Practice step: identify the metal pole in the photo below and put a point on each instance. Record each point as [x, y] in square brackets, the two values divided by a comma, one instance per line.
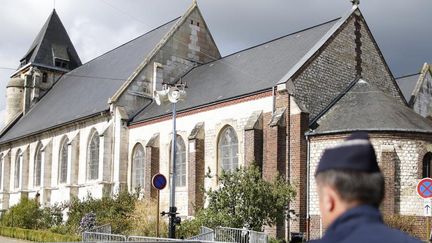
[172, 208]
[157, 215]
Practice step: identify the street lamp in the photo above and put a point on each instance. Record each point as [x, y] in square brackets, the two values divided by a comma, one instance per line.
[171, 94]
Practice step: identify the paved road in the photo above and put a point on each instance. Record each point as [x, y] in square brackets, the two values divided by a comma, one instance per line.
[10, 240]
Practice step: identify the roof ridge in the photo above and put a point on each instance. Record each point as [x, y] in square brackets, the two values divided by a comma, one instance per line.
[324, 39]
[115, 48]
[335, 100]
[34, 47]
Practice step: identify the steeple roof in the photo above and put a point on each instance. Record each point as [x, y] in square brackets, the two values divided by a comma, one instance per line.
[51, 43]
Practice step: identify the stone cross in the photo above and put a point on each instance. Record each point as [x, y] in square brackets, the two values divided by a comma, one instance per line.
[354, 2]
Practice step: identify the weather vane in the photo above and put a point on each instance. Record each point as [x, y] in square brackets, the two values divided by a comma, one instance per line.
[355, 2]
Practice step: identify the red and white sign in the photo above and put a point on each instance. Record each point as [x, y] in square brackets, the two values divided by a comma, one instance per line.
[424, 188]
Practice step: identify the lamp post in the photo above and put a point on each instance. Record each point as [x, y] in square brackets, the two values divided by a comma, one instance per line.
[171, 94]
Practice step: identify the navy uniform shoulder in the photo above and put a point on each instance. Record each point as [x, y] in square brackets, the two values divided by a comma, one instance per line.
[379, 233]
[372, 233]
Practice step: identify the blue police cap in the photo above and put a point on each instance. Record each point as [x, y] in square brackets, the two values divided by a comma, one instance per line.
[354, 154]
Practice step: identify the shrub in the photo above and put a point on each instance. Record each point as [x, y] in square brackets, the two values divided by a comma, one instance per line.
[243, 200]
[108, 210]
[143, 219]
[25, 214]
[88, 222]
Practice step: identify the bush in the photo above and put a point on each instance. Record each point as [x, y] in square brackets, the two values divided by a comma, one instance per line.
[243, 200]
[25, 214]
[143, 219]
[36, 235]
[108, 210]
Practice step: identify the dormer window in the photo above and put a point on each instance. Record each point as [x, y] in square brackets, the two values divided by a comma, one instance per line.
[61, 56]
[61, 63]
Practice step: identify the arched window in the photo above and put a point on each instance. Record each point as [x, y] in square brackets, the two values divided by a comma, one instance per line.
[427, 168]
[228, 149]
[138, 168]
[63, 161]
[93, 157]
[38, 166]
[17, 169]
[180, 162]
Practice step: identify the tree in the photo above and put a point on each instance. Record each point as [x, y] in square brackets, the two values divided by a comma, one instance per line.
[244, 200]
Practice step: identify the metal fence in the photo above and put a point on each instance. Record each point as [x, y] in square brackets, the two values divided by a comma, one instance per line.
[149, 239]
[106, 229]
[225, 234]
[104, 237]
[220, 234]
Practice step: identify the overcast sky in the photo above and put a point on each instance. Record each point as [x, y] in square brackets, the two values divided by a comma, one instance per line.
[402, 28]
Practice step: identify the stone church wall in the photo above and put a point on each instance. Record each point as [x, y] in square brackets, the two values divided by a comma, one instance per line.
[424, 97]
[215, 119]
[51, 190]
[189, 46]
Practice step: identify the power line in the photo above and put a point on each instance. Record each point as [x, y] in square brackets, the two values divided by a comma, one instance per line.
[75, 75]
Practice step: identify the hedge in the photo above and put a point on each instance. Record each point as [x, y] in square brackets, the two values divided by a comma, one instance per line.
[36, 235]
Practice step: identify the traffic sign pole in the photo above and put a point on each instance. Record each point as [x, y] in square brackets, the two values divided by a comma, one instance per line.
[159, 182]
[157, 215]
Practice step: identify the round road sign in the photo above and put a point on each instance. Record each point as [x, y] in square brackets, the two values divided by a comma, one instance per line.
[424, 188]
[159, 181]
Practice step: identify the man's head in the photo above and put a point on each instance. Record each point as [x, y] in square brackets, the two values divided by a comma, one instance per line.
[347, 176]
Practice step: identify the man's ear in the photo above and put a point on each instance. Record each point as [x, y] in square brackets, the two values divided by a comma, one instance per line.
[330, 198]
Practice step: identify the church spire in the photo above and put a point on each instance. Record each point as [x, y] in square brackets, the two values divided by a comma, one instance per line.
[52, 47]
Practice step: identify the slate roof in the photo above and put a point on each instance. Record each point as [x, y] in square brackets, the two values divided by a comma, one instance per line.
[52, 40]
[85, 91]
[252, 70]
[407, 85]
[364, 107]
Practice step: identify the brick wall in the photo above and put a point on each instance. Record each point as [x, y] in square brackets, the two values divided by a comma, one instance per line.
[298, 158]
[333, 68]
[388, 168]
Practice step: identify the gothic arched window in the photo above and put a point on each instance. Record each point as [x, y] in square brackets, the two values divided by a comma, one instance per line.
[37, 166]
[138, 166]
[63, 161]
[427, 166]
[228, 149]
[17, 169]
[180, 162]
[93, 157]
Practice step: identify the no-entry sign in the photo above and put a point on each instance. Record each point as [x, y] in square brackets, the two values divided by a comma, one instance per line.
[424, 188]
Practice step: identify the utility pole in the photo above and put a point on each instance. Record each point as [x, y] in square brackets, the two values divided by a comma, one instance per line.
[172, 95]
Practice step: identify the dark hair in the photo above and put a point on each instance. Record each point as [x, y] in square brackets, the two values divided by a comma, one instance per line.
[354, 186]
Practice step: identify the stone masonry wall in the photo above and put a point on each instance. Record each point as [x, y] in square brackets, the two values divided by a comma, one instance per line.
[424, 97]
[189, 46]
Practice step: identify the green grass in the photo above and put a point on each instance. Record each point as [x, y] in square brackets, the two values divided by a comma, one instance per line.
[36, 235]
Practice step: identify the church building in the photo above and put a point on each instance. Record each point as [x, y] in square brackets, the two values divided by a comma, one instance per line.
[74, 129]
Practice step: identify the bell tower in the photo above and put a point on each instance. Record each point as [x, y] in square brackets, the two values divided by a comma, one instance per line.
[50, 56]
